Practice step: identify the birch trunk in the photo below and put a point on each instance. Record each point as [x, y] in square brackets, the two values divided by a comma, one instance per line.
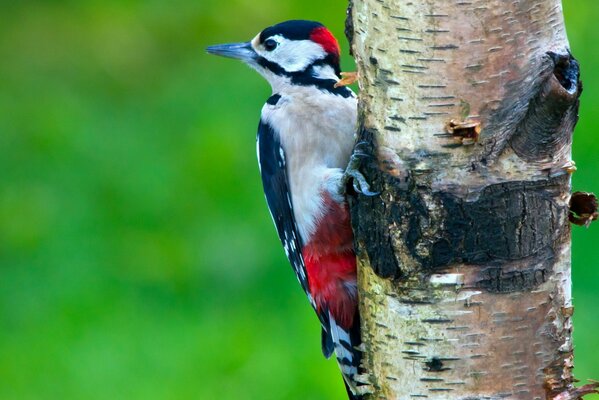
[464, 258]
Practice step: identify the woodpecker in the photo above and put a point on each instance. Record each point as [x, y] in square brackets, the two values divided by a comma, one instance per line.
[305, 141]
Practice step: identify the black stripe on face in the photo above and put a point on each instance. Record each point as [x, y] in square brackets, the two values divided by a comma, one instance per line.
[272, 66]
[305, 77]
[327, 85]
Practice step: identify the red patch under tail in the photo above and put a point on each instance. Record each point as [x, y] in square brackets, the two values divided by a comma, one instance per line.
[331, 264]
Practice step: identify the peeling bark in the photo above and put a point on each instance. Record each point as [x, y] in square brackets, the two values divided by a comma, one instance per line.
[464, 258]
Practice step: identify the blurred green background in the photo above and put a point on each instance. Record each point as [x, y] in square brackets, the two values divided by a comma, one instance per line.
[137, 257]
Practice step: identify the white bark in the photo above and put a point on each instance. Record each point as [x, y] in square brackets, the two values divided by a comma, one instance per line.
[465, 256]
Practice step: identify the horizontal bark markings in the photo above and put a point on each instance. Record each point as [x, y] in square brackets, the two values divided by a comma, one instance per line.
[498, 281]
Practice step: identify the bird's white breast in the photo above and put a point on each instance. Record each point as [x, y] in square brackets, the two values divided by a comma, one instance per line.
[317, 132]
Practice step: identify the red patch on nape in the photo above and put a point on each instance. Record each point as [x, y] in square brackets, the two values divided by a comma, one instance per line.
[325, 38]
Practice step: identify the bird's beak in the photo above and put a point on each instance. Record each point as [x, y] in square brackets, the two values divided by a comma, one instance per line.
[239, 51]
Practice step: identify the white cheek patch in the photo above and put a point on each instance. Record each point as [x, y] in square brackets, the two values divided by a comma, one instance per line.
[297, 55]
[292, 55]
[324, 72]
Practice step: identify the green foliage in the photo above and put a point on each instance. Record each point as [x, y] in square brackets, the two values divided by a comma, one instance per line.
[137, 257]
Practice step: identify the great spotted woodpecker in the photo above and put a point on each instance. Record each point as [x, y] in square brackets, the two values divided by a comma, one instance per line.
[305, 140]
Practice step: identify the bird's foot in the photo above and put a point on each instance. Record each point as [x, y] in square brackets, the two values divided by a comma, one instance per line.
[359, 182]
[347, 79]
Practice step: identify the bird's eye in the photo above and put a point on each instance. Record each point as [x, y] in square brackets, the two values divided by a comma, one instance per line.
[270, 44]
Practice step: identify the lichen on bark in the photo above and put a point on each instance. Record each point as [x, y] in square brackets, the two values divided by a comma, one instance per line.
[464, 258]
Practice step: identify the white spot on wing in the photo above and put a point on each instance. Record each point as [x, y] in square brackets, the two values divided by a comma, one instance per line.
[258, 152]
[282, 154]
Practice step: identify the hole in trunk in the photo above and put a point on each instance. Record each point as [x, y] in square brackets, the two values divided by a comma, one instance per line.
[567, 71]
[583, 208]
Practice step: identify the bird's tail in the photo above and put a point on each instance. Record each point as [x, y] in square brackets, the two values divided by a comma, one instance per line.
[351, 395]
[345, 343]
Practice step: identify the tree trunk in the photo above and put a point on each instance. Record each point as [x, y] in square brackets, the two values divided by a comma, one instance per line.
[464, 258]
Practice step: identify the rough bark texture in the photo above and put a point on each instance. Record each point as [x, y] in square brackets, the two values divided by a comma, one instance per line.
[464, 258]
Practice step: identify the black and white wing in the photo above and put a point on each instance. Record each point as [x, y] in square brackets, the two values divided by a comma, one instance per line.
[273, 168]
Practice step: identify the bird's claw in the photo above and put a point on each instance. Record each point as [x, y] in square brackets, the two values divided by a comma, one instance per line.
[359, 182]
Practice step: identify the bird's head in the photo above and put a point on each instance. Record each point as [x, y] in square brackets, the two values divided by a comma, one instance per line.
[290, 50]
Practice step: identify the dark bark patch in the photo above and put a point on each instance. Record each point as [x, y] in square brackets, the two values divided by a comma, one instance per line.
[435, 365]
[442, 253]
[511, 231]
[508, 222]
[368, 215]
[349, 27]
